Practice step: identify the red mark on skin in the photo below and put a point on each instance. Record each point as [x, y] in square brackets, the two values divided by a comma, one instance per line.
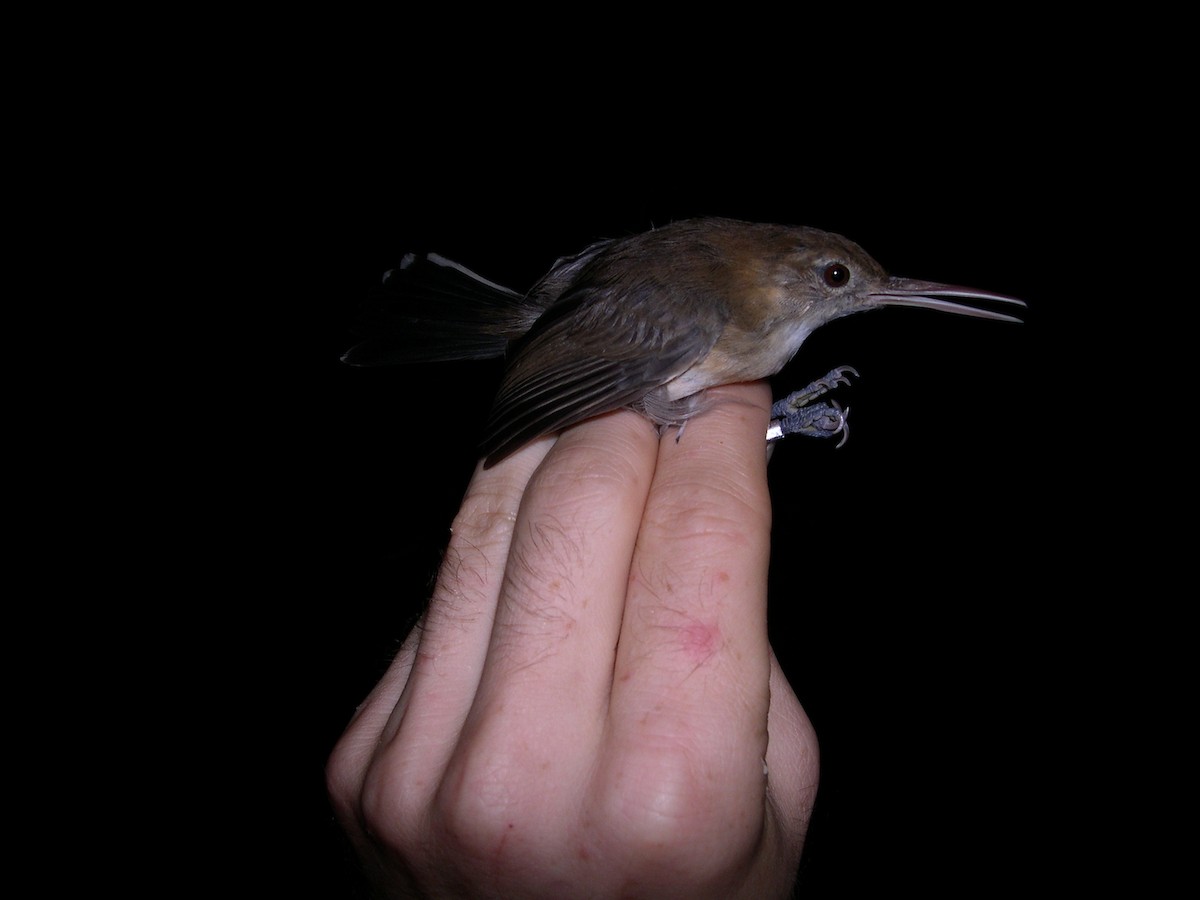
[699, 641]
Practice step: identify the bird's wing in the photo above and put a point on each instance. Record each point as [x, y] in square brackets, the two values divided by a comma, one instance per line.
[595, 351]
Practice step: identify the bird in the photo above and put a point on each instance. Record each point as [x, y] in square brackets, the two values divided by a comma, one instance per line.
[648, 321]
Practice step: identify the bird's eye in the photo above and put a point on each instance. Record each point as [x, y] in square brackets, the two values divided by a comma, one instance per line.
[836, 274]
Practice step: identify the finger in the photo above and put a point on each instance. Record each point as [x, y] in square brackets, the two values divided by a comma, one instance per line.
[412, 719]
[346, 768]
[688, 713]
[542, 700]
[564, 587]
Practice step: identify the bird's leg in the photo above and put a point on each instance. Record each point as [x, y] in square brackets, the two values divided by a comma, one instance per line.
[797, 414]
[818, 420]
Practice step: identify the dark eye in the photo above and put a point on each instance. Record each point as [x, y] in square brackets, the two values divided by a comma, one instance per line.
[836, 274]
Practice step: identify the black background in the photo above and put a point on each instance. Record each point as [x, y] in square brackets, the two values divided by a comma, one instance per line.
[920, 595]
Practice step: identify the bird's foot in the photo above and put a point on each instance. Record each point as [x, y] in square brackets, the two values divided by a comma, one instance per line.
[819, 420]
[797, 414]
[793, 402]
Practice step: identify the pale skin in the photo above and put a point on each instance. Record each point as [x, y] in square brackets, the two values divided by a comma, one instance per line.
[590, 706]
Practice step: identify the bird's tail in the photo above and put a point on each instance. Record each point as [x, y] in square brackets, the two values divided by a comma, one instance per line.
[430, 309]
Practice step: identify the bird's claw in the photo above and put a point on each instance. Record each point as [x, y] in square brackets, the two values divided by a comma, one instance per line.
[797, 414]
[796, 400]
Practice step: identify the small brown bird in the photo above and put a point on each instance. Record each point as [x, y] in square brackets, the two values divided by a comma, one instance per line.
[648, 321]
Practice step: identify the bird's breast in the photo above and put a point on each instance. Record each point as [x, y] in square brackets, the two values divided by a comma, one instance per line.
[739, 355]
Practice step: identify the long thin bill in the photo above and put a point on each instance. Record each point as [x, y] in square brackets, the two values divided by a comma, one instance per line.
[931, 295]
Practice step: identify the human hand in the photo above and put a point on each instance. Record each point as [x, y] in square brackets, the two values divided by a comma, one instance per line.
[590, 706]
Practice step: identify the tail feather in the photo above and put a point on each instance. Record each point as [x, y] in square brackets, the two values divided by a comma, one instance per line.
[431, 309]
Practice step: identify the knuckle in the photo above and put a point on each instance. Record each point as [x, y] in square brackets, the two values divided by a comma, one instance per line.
[683, 811]
[342, 782]
[395, 801]
[487, 809]
[486, 517]
[714, 509]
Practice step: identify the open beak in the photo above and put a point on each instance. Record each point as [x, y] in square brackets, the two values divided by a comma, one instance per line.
[931, 295]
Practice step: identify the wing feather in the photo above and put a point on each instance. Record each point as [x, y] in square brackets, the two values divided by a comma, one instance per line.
[595, 351]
